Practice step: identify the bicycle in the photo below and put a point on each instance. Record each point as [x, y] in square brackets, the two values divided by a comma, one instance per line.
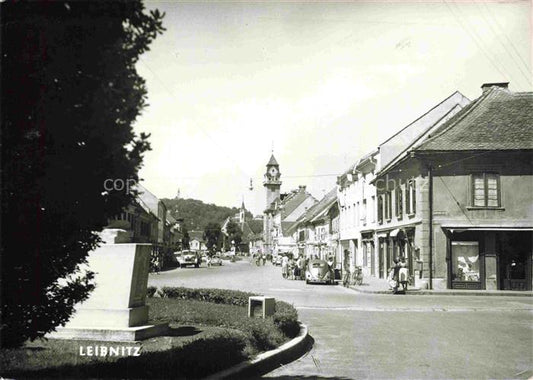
[357, 276]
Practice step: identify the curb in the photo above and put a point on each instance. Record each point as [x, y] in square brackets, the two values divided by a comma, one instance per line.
[267, 361]
[425, 292]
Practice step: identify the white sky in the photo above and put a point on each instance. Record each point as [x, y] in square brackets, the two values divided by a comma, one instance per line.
[323, 82]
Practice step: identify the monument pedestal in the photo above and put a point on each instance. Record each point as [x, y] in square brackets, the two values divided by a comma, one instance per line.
[115, 310]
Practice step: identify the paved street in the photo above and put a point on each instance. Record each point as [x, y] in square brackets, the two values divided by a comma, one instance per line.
[387, 336]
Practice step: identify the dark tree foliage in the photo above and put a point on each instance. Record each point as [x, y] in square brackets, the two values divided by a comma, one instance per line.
[186, 239]
[70, 93]
[213, 236]
[234, 234]
[197, 214]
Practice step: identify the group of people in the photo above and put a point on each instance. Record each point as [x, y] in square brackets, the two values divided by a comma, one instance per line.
[293, 269]
[398, 276]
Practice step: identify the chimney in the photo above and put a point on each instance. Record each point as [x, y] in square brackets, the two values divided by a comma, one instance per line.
[487, 86]
[302, 188]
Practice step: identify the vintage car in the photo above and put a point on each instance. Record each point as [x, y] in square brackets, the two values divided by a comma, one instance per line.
[188, 258]
[215, 260]
[318, 271]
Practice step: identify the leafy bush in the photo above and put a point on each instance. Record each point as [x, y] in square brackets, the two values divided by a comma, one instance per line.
[262, 333]
[286, 318]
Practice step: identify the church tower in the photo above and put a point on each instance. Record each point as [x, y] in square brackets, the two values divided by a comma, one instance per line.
[242, 214]
[272, 181]
[272, 186]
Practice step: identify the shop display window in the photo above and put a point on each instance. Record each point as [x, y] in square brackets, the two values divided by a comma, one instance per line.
[465, 261]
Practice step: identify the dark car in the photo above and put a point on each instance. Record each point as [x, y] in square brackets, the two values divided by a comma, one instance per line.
[318, 271]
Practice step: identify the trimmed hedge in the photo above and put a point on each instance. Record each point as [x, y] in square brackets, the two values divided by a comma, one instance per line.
[285, 317]
[224, 296]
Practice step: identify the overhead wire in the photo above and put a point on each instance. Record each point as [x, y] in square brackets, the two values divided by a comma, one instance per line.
[474, 37]
[509, 53]
[509, 41]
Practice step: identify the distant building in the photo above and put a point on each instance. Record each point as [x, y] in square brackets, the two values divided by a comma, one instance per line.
[316, 231]
[282, 210]
[197, 242]
[251, 229]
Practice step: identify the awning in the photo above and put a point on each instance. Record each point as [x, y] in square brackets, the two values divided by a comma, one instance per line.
[394, 233]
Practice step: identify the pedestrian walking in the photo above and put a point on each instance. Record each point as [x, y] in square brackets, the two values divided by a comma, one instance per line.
[403, 273]
[396, 274]
[285, 266]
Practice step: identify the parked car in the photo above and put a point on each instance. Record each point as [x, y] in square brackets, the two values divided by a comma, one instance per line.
[318, 271]
[216, 260]
[188, 258]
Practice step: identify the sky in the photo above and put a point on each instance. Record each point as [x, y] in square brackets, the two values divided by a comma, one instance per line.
[318, 83]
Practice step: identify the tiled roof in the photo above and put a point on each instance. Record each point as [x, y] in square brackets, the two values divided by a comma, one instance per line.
[198, 235]
[317, 209]
[272, 161]
[497, 120]
[256, 225]
[149, 199]
[286, 227]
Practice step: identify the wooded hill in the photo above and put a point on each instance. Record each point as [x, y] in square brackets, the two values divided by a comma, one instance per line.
[197, 214]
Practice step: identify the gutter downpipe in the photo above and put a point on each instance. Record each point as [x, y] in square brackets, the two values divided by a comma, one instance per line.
[430, 178]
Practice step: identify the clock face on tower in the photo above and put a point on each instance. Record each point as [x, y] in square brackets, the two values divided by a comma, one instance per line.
[273, 172]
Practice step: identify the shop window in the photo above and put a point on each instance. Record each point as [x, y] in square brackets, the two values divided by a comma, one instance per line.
[485, 190]
[465, 261]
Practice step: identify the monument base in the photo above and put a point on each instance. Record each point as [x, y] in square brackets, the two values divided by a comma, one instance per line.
[118, 334]
[112, 318]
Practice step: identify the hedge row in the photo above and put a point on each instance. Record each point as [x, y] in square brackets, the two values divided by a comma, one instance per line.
[224, 296]
[285, 316]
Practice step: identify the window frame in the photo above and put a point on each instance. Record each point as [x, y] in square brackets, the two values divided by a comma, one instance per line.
[399, 202]
[485, 175]
[410, 197]
[380, 209]
[388, 205]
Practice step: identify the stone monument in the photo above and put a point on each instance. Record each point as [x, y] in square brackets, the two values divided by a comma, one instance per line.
[116, 309]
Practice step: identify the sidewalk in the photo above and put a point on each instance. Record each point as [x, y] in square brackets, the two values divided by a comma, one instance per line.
[379, 286]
